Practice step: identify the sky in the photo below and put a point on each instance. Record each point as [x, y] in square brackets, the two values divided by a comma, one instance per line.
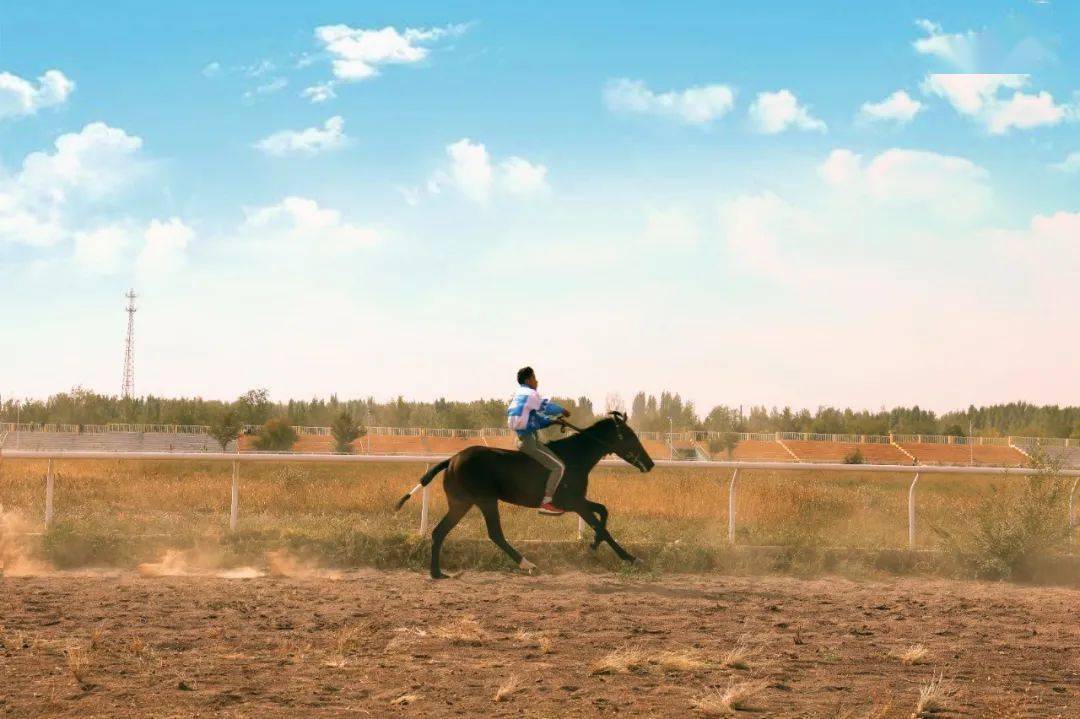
[779, 203]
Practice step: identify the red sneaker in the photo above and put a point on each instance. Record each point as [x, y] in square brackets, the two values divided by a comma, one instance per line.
[550, 509]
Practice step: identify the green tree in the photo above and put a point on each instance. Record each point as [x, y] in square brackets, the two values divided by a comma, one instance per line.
[226, 428]
[345, 431]
[277, 435]
[724, 442]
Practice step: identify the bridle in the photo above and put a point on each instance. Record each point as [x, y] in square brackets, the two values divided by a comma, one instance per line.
[632, 457]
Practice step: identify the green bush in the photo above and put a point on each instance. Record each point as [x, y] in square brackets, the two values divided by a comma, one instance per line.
[1010, 532]
[277, 435]
[854, 457]
[345, 431]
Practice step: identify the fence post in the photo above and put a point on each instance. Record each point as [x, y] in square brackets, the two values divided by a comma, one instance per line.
[50, 482]
[911, 513]
[425, 498]
[731, 507]
[234, 503]
[1072, 527]
[581, 527]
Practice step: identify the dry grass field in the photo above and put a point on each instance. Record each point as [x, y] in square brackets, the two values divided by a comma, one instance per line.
[395, 644]
[120, 513]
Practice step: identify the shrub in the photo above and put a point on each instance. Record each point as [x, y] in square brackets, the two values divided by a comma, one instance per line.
[725, 442]
[277, 435]
[855, 456]
[1013, 528]
[226, 428]
[345, 431]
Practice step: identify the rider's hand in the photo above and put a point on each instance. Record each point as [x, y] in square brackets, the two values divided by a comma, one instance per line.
[566, 413]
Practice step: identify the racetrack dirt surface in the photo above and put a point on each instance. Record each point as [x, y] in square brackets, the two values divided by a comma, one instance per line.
[397, 644]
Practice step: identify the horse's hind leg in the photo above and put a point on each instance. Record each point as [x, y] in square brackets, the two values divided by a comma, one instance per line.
[457, 510]
[495, 533]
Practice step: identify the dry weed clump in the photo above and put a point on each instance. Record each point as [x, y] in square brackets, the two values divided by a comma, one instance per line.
[77, 657]
[736, 697]
[621, 661]
[405, 699]
[738, 657]
[915, 654]
[507, 689]
[934, 699]
[404, 637]
[535, 640]
[465, 631]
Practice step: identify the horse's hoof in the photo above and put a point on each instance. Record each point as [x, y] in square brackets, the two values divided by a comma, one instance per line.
[526, 566]
[633, 561]
[439, 575]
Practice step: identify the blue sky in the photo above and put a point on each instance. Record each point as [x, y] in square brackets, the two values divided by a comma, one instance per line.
[783, 203]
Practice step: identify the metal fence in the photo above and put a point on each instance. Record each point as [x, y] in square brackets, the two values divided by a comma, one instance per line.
[52, 457]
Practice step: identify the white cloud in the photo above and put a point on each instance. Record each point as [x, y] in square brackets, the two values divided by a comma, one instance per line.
[19, 97]
[101, 250]
[275, 85]
[300, 223]
[473, 174]
[958, 49]
[212, 69]
[898, 107]
[165, 251]
[978, 96]
[310, 141]
[523, 178]
[756, 227]
[358, 53]
[774, 112]
[320, 92]
[672, 227]
[950, 187]
[470, 169]
[697, 105]
[85, 167]
[841, 167]
[1070, 165]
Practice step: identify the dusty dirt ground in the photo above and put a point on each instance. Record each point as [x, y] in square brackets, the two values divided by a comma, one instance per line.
[397, 644]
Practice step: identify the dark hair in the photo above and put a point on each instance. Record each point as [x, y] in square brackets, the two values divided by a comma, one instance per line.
[525, 373]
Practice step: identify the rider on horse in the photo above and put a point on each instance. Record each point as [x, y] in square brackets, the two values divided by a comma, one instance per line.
[528, 413]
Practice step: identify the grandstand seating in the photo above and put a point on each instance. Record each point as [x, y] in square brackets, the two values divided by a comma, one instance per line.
[962, 454]
[447, 445]
[759, 450]
[393, 444]
[657, 448]
[872, 452]
[113, 442]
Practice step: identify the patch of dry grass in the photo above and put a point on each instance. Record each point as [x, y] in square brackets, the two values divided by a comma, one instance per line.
[535, 640]
[679, 660]
[78, 659]
[915, 654]
[464, 630]
[934, 698]
[736, 697]
[621, 661]
[738, 657]
[405, 699]
[507, 689]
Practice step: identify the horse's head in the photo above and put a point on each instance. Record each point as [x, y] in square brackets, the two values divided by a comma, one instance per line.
[627, 445]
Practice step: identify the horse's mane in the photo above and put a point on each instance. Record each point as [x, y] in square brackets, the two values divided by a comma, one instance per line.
[601, 427]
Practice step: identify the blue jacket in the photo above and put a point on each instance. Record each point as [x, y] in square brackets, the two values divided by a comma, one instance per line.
[529, 412]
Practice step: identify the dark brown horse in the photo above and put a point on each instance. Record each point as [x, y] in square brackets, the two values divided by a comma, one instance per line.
[484, 476]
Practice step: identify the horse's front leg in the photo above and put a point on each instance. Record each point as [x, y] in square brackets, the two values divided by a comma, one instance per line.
[605, 536]
[602, 514]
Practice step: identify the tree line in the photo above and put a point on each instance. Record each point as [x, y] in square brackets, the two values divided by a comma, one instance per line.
[659, 413]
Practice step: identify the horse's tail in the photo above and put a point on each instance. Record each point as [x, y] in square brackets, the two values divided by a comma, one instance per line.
[424, 481]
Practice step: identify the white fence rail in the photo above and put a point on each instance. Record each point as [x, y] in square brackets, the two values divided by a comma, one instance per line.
[236, 459]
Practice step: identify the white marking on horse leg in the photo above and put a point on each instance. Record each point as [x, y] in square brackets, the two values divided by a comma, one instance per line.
[527, 566]
[416, 489]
